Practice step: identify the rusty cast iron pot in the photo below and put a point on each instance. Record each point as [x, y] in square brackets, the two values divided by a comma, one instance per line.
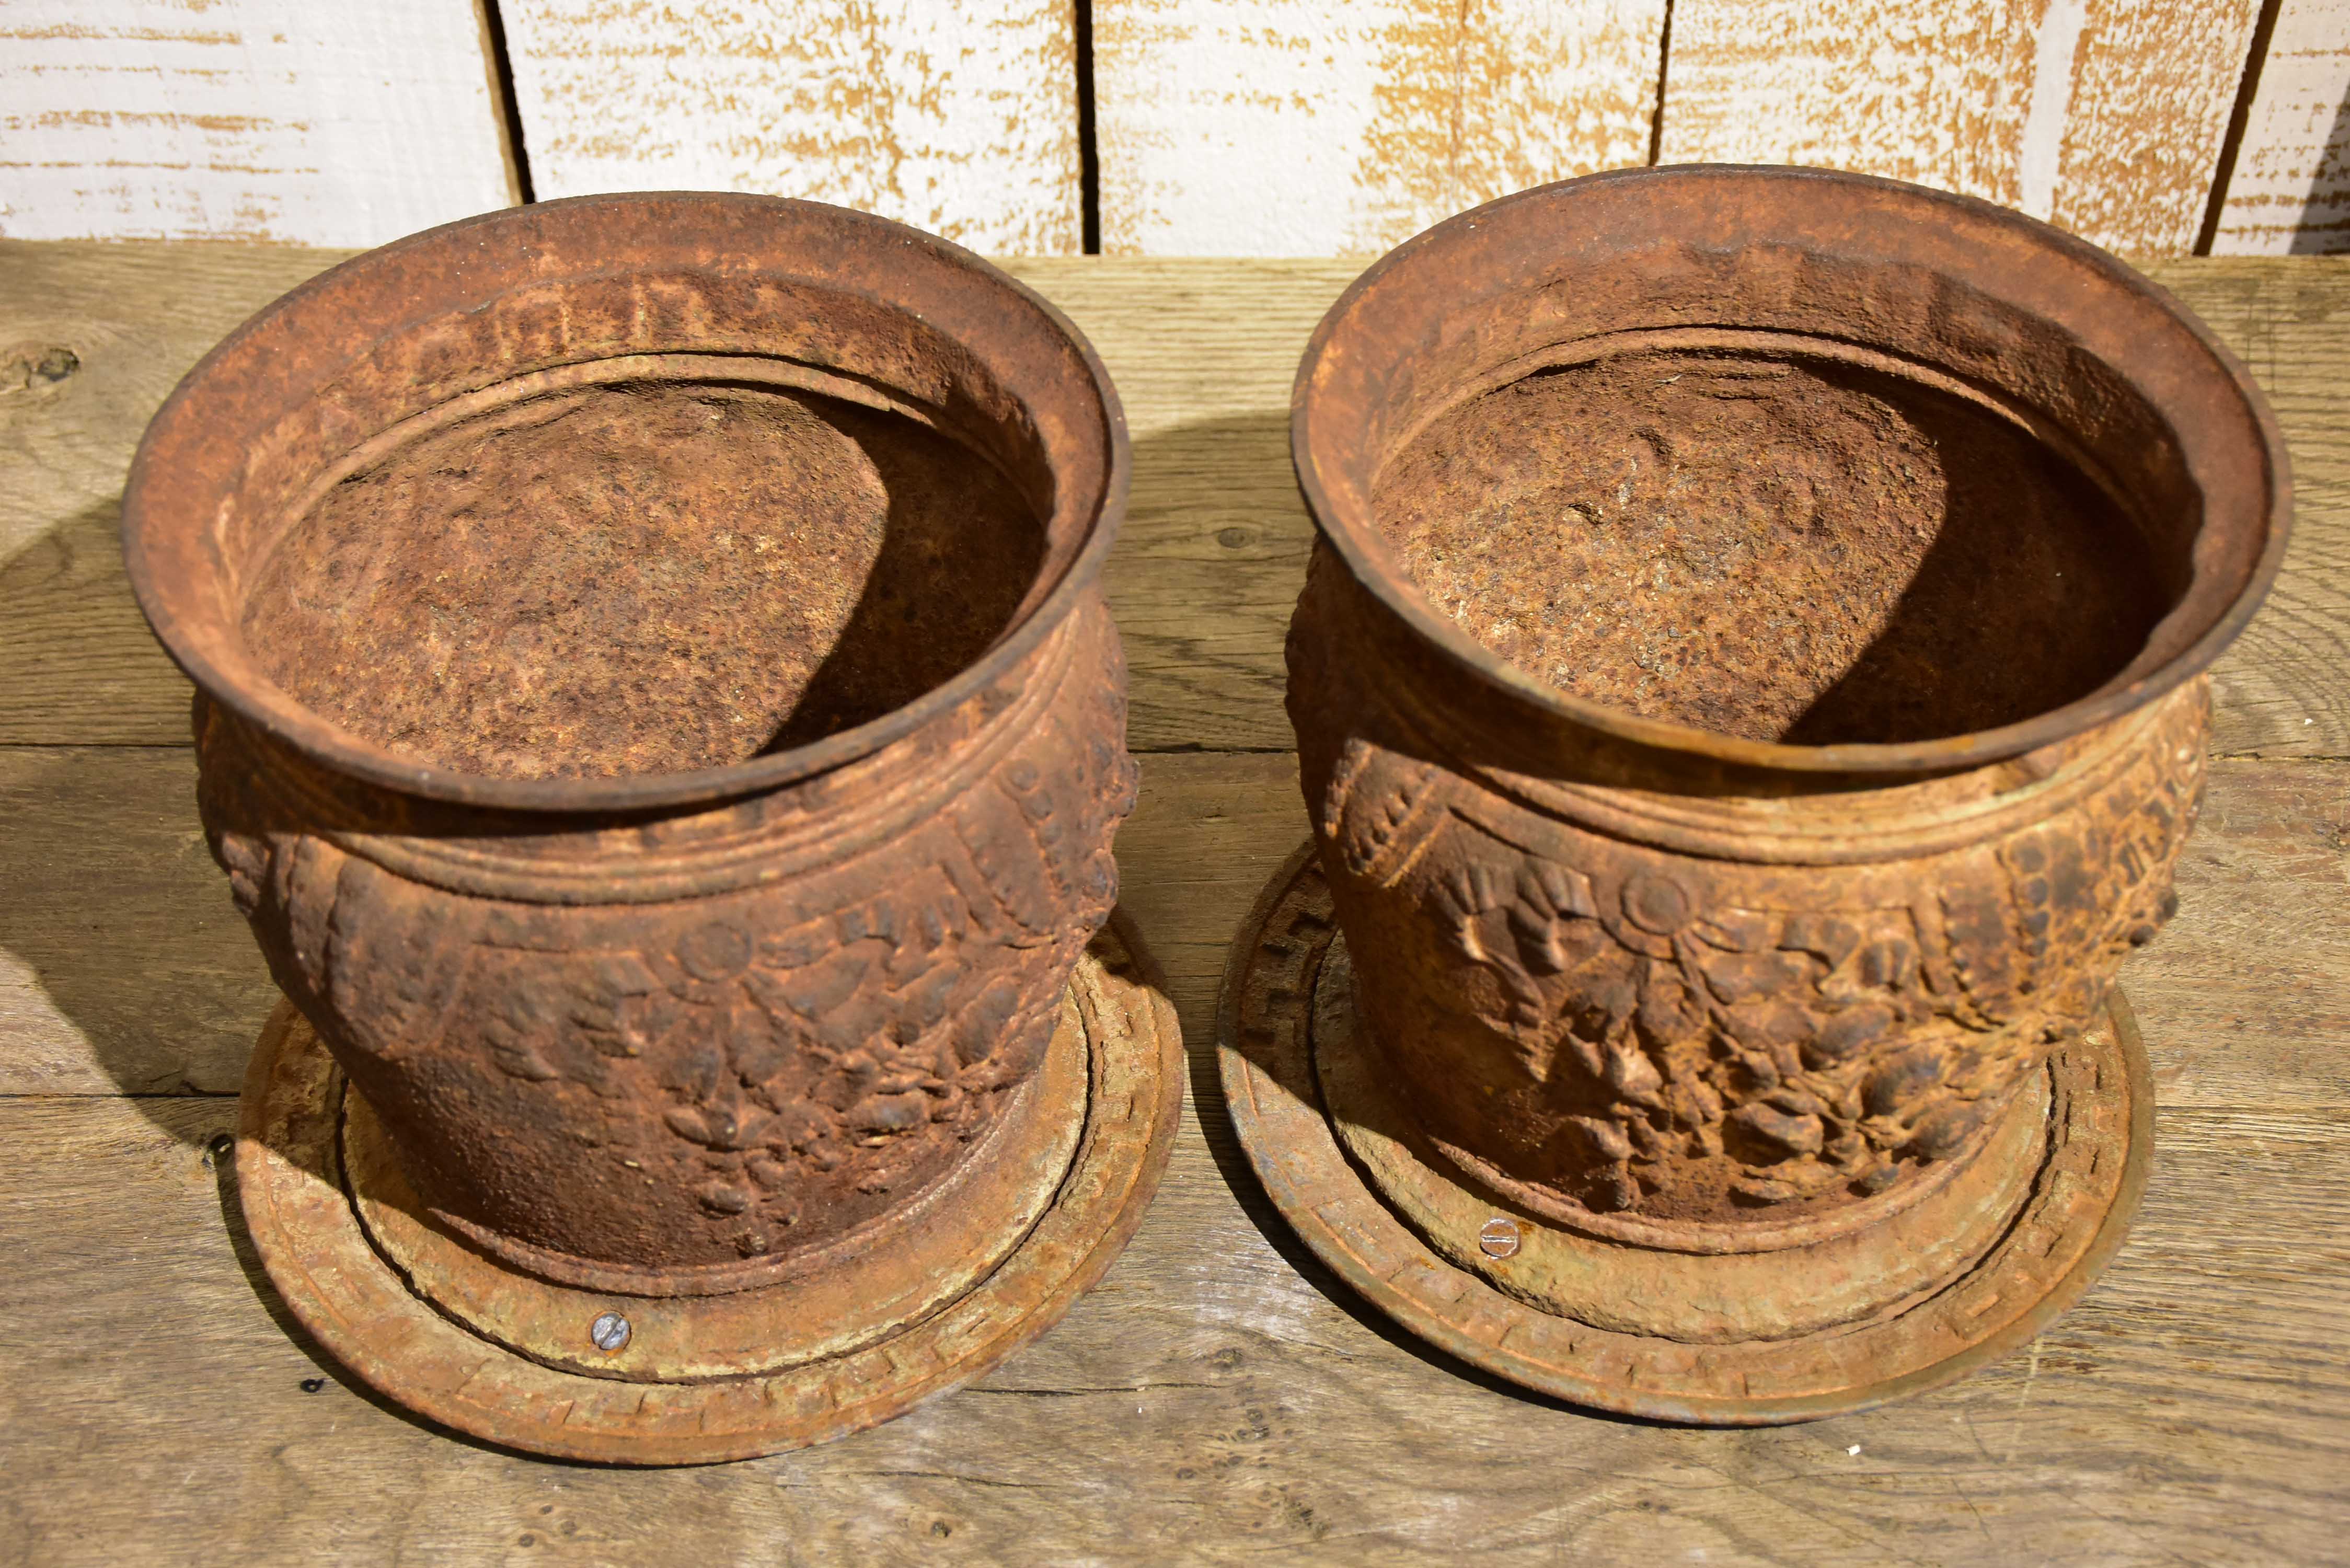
[658, 713]
[1750, 699]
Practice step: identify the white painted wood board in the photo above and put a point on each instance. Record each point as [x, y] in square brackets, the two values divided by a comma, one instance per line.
[338, 122]
[956, 116]
[2105, 117]
[2289, 192]
[1322, 127]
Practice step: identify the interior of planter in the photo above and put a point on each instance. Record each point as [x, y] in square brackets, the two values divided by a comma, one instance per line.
[1775, 544]
[650, 568]
[1789, 456]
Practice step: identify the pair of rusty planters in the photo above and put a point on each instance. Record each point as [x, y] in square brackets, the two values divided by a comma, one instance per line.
[658, 713]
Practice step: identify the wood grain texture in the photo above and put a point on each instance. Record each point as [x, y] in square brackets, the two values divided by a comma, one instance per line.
[2289, 193]
[1218, 1399]
[956, 116]
[1307, 127]
[324, 123]
[153, 988]
[2103, 116]
[1215, 541]
[2276, 692]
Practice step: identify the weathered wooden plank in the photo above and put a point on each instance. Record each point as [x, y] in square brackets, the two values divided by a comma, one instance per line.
[1308, 127]
[123, 969]
[263, 119]
[2289, 193]
[2281, 690]
[1215, 542]
[2103, 116]
[2243, 984]
[2153, 83]
[961, 118]
[92, 338]
[1219, 1399]
[1936, 96]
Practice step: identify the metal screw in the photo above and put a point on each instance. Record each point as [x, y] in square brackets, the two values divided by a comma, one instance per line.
[1499, 1238]
[610, 1331]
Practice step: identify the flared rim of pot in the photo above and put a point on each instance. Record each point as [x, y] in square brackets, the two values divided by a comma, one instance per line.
[1435, 293]
[194, 456]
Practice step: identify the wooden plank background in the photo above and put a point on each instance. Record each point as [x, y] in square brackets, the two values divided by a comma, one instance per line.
[329, 121]
[1220, 1398]
[1160, 127]
[2105, 117]
[2290, 186]
[956, 116]
[1944, 101]
[1304, 128]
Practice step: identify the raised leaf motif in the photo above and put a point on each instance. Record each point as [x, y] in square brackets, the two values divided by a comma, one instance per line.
[1820, 1052]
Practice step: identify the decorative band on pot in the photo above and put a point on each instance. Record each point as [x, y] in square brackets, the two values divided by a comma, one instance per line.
[1750, 699]
[656, 711]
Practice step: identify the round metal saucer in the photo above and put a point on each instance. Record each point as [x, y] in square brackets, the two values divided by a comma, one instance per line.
[614, 1378]
[2072, 1213]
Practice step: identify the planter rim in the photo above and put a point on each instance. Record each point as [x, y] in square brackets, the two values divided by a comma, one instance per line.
[653, 227]
[1354, 534]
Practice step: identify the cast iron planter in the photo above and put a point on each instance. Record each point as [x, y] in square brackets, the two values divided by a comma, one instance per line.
[657, 712]
[1748, 696]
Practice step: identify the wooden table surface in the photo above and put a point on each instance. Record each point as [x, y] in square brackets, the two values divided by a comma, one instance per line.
[1219, 1398]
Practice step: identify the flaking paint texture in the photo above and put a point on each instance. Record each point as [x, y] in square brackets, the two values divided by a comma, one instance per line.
[264, 119]
[2289, 192]
[2151, 97]
[1952, 96]
[957, 118]
[1935, 95]
[1305, 126]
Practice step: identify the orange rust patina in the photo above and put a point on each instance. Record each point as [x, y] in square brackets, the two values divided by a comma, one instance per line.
[1748, 696]
[658, 713]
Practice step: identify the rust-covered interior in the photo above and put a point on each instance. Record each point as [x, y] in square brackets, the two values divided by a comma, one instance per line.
[1775, 458]
[1775, 547]
[644, 575]
[601, 504]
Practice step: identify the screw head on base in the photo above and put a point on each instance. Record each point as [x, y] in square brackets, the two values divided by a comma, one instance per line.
[610, 1331]
[1499, 1237]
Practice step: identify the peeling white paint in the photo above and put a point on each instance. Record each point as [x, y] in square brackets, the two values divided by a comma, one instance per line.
[2055, 47]
[1326, 127]
[2290, 190]
[957, 116]
[326, 121]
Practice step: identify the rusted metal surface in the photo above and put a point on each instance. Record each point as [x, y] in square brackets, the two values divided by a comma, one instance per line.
[1910, 531]
[673, 296]
[825, 1306]
[657, 714]
[1815, 270]
[1415, 1252]
[667, 568]
[683, 1053]
[576, 1387]
[1748, 696]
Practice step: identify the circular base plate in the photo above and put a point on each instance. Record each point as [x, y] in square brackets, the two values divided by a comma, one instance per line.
[2073, 1215]
[292, 1187]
